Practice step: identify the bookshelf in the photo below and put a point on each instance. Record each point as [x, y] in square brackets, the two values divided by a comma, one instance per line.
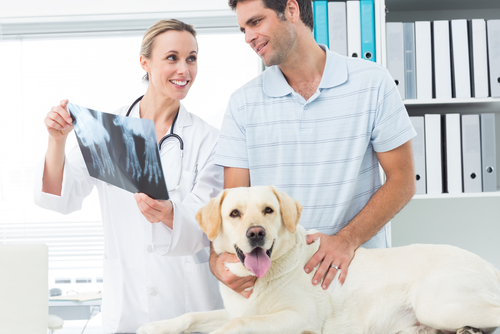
[430, 10]
[467, 220]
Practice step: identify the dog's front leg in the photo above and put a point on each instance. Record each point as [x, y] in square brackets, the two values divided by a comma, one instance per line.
[284, 322]
[187, 323]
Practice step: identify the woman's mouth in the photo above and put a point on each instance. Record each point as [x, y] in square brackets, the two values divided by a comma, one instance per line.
[179, 83]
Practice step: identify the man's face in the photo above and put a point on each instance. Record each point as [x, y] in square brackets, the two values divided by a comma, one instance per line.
[270, 36]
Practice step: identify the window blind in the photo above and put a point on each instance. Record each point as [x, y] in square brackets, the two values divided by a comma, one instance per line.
[72, 245]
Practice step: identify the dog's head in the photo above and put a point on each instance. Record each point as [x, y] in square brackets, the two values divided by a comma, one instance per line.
[255, 223]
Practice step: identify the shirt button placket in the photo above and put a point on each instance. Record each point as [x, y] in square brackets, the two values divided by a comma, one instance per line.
[152, 292]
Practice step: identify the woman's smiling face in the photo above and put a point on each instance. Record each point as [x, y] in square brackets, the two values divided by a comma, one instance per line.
[173, 65]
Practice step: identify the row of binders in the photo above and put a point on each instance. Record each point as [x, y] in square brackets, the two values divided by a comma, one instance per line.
[445, 59]
[455, 153]
[346, 27]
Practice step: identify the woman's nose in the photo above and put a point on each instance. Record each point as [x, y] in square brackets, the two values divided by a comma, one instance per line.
[182, 68]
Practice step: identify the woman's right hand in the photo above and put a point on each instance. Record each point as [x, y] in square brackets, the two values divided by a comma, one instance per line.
[58, 121]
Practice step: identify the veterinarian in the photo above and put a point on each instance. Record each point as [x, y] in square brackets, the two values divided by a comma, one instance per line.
[155, 254]
[316, 125]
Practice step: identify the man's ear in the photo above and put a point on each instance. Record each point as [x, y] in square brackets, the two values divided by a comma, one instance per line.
[209, 216]
[290, 209]
[292, 7]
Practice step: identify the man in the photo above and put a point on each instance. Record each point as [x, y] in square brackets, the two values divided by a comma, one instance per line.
[316, 125]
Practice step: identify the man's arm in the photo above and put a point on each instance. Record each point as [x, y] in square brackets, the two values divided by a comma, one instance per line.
[398, 189]
[233, 177]
[236, 177]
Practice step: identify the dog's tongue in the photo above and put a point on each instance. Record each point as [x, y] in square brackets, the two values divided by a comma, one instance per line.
[258, 262]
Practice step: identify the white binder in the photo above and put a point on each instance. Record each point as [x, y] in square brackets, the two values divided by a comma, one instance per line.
[353, 29]
[337, 27]
[453, 154]
[441, 57]
[423, 59]
[410, 73]
[488, 152]
[493, 27]
[418, 144]
[471, 151]
[479, 58]
[433, 154]
[396, 54]
[460, 59]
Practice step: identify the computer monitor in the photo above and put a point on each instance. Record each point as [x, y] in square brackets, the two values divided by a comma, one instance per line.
[23, 289]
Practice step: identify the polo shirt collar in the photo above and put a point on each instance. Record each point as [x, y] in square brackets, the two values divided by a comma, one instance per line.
[275, 85]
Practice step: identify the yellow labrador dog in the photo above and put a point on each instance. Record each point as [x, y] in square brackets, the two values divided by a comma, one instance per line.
[414, 289]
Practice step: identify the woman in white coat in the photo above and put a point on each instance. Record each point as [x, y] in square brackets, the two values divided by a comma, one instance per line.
[155, 255]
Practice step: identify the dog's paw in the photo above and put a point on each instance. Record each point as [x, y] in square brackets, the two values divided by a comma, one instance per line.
[469, 330]
[152, 328]
[238, 269]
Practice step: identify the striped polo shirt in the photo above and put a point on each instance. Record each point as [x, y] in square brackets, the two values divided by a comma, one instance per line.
[320, 151]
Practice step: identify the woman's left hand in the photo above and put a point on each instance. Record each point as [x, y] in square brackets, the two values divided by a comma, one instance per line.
[154, 210]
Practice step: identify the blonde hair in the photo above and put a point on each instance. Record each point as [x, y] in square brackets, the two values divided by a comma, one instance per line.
[159, 28]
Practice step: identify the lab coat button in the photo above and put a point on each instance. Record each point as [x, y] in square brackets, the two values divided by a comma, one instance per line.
[150, 249]
[306, 106]
[152, 292]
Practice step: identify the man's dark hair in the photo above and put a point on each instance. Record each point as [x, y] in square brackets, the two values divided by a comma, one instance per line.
[305, 7]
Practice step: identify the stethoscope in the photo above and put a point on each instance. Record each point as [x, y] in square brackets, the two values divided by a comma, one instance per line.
[167, 136]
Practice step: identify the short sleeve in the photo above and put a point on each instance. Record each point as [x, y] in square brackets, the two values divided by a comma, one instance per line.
[392, 126]
[231, 148]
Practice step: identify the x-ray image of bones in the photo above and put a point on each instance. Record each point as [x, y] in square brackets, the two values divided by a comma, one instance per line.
[120, 151]
[93, 135]
[130, 128]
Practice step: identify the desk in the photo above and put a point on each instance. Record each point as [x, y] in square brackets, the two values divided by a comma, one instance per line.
[73, 310]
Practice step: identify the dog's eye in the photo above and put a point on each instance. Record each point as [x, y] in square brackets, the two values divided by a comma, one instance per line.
[234, 214]
[268, 210]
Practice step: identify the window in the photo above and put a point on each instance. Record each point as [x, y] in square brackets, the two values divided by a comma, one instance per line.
[102, 72]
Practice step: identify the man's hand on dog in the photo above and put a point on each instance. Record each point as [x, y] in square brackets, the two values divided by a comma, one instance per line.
[222, 273]
[333, 250]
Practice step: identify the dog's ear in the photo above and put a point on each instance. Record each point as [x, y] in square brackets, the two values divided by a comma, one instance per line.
[290, 209]
[209, 216]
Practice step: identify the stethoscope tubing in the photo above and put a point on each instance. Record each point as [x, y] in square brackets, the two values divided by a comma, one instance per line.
[167, 136]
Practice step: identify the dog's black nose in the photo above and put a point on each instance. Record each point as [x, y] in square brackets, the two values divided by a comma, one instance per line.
[256, 234]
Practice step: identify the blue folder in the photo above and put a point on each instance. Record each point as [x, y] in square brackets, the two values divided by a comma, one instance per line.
[320, 8]
[367, 18]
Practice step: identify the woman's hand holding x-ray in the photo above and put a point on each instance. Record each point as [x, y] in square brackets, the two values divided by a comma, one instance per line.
[58, 121]
[154, 210]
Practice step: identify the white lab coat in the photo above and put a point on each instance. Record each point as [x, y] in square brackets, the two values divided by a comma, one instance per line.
[151, 272]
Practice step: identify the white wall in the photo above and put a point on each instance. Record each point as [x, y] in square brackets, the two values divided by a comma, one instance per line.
[37, 8]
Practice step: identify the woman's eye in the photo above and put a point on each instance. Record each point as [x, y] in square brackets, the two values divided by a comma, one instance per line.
[172, 57]
[234, 214]
[192, 58]
[268, 210]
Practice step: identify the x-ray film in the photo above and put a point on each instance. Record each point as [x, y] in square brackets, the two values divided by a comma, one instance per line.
[120, 150]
